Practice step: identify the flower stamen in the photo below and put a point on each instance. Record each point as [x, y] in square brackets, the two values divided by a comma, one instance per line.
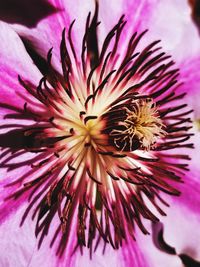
[140, 123]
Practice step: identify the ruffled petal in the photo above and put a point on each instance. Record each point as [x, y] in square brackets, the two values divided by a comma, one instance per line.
[182, 221]
[183, 215]
[153, 255]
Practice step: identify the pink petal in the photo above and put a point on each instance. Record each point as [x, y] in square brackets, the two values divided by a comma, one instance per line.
[171, 22]
[48, 32]
[190, 76]
[182, 222]
[137, 14]
[168, 21]
[20, 248]
[172, 29]
[14, 61]
[183, 216]
[17, 247]
[153, 255]
[109, 258]
[15, 172]
[140, 253]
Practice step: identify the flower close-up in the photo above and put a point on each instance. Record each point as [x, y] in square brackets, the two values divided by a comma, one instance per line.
[99, 134]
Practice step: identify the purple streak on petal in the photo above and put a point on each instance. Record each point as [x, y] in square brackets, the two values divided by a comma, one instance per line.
[190, 192]
[132, 255]
[46, 254]
[9, 207]
[28, 13]
[133, 11]
[99, 259]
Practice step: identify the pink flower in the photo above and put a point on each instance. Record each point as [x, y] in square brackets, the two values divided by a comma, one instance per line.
[97, 139]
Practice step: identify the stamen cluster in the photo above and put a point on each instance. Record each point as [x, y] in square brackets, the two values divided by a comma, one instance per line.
[139, 126]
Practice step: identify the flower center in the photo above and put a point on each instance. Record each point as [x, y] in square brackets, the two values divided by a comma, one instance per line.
[91, 130]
